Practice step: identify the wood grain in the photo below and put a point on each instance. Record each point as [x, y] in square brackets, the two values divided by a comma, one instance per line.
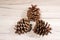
[12, 11]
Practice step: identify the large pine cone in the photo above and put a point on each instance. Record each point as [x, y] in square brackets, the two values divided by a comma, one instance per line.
[42, 28]
[23, 26]
[33, 13]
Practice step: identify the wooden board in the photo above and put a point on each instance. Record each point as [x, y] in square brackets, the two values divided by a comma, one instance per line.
[10, 14]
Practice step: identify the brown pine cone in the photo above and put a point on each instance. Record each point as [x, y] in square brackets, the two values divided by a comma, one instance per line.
[23, 26]
[33, 13]
[42, 28]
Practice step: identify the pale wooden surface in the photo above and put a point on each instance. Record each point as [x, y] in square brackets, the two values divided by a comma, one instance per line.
[10, 13]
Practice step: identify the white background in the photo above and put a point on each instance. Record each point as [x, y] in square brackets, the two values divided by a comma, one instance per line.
[13, 10]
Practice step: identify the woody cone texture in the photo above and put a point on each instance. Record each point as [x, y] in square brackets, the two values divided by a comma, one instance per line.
[33, 13]
[42, 28]
[23, 26]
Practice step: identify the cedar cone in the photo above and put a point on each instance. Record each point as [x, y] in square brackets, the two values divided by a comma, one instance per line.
[23, 26]
[42, 28]
[33, 13]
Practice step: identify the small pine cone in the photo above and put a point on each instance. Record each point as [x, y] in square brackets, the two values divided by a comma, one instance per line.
[33, 13]
[23, 26]
[42, 28]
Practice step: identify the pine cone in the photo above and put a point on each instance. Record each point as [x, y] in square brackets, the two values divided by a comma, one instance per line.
[42, 28]
[33, 13]
[23, 26]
